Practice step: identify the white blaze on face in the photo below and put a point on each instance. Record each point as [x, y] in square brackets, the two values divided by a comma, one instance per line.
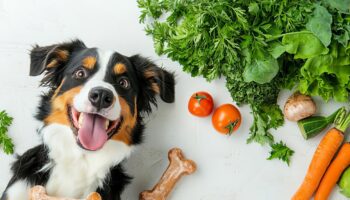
[81, 101]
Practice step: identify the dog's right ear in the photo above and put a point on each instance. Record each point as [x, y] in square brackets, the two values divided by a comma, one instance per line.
[52, 57]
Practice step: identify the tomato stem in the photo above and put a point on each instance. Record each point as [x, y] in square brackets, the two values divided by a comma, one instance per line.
[231, 126]
[199, 97]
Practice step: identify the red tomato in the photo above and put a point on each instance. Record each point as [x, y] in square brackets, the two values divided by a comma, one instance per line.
[226, 119]
[200, 104]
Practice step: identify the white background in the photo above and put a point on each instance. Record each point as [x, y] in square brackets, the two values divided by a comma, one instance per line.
[228, 168]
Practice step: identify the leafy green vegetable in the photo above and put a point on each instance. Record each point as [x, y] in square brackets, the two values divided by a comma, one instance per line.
[320, 24]
[281, 151]
[261, 70]
[5, 140]
[341, 5]
[260, 47]
[303, 45]
[327, 75]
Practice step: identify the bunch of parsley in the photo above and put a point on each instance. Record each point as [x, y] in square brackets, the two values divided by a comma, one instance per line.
[5, 140]
[260, 47]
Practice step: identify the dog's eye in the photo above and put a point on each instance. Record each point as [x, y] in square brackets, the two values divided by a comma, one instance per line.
[124, 83]
[80, 74]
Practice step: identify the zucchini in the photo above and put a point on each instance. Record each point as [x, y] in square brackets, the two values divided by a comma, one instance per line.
[312, 126]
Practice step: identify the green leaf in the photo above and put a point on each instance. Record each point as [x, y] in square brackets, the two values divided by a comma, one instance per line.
[253, 8]
[341, 5]
[320, 24]
[5, 140]
[265, 118]
[281, 151]
[261, 71]
[303, 45]
[276, 49]
[327, 75]
[343, 38]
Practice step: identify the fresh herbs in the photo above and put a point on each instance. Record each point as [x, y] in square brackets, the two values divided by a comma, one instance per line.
[5, 140]
[281, 152]
[260, 47]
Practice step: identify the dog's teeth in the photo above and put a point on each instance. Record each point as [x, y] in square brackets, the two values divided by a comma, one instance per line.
[106, 124]
[80, 120]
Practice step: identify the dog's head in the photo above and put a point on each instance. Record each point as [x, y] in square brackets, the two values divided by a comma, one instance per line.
[100, 95]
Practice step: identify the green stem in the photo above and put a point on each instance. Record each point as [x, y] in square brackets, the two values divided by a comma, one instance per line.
[199, 98]
[342, 120]
[231, 126]
[279, 36]
[331, 118]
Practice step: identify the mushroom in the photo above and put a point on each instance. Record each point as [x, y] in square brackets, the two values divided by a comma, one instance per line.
[299, 106]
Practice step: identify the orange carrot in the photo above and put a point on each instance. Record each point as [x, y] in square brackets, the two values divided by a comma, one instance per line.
[323, 155]
[333, 173]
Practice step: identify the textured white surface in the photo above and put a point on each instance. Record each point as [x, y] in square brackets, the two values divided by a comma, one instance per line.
[228, 168]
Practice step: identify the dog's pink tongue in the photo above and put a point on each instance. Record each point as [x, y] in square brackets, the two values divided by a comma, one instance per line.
[92, 134]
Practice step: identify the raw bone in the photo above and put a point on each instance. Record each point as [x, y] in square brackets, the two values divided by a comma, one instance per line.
[39, 193]
[178, 167]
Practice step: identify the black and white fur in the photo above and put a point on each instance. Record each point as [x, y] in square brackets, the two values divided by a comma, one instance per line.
[60, 163]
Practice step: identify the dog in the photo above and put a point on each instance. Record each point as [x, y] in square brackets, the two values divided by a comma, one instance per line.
[92, 116]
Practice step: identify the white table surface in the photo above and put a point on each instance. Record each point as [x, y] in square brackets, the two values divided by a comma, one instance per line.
[228, 168]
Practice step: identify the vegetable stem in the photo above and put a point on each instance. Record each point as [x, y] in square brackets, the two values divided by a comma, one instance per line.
[199, 97]
[281, 35]
[332, 117]
[342, 120]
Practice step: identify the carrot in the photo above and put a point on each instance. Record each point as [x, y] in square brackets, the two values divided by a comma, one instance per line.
[323, 155]
[333, 173]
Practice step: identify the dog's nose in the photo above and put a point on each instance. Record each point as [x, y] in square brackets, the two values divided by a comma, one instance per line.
[101, 97]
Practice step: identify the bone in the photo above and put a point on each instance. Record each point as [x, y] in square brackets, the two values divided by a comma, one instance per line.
[178, 166]
[39, 193]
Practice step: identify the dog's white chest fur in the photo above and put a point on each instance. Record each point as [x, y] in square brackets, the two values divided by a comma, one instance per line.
[75, 172]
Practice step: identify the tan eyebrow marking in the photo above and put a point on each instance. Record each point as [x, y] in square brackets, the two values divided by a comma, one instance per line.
[119, 68]
[89, 62]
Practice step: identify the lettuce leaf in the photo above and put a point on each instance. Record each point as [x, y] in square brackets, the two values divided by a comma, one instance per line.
[327, 75]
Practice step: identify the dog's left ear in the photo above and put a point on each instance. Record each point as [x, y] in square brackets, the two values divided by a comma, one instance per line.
[154, 80]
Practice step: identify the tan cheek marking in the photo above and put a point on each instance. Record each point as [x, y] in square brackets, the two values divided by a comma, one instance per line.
[129, 122]
[59, 107]
[89, 62]
[119, 68]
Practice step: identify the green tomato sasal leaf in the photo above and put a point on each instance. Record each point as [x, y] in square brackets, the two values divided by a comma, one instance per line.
[303, 45]
[320, 24]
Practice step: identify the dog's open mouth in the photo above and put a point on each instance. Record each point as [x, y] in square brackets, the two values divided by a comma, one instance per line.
[92, 130]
